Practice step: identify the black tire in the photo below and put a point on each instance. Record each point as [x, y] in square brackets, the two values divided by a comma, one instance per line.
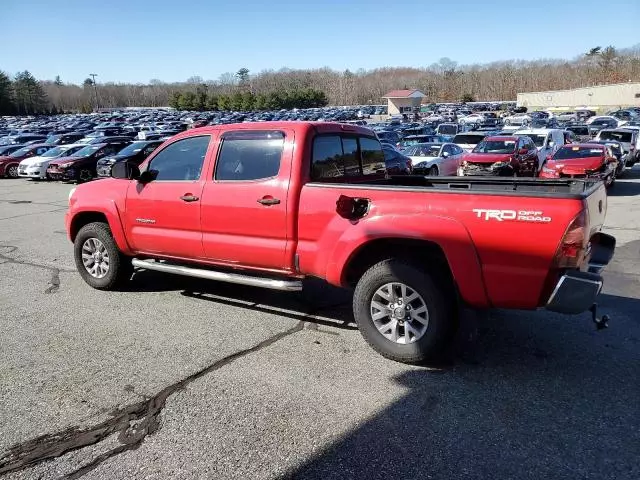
[120, 267]
[439, 306]
[85, 175]
[433, 171]
[11, 171]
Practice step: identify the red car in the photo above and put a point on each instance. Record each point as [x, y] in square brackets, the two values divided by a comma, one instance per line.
[267, 204]
[582, 161]
[9, 163]
[502, 156]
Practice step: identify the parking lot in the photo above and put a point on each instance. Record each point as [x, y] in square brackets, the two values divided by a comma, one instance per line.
[180, 378]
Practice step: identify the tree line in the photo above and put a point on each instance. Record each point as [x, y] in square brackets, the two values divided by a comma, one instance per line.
[246, 100]
[443, 81]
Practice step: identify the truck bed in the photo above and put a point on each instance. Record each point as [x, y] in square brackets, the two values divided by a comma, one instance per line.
[556, 188]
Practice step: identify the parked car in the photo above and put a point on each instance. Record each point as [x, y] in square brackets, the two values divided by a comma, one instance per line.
[518, 119]
[630, 140]
[581, 132]
[135, 152]
[600, 123]
[390, 136]
[617, 150]
[474, 118]
[26, 138]
[447, 131]
[64, 138]
[36, 167]
[411, 254]
[9, 163]
[586, 160]
[504, 156]
[410, 140]
[435, 158]
[468, 141]
[547, 141]
[396, 163]
[81, 166]
[9, 149]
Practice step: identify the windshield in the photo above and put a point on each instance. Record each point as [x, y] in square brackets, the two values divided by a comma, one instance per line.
[468, 139]
[448, 129]
[135, 147]
[424, 151]
[86, 151]
[20, 152]
[579, 130]
[495, 146]
[54, 152]
[537, 139]
[601, 122]
[569, 153]
[617, 136]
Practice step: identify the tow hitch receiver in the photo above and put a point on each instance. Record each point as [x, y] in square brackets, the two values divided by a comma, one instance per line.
[601, 323]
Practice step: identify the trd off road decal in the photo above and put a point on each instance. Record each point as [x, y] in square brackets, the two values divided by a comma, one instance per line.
[511, 215]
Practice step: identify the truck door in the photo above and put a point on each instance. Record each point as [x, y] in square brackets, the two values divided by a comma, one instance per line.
[163, 216]
[245, 205]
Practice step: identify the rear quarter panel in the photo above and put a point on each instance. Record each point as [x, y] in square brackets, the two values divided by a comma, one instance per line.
[499, 247]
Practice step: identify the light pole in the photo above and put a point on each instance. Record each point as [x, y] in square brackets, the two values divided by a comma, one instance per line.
[95, 89]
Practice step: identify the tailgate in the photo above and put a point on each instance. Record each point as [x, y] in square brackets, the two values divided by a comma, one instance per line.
[596, 204]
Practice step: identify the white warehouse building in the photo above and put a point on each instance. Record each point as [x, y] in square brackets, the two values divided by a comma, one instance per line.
[599, 97]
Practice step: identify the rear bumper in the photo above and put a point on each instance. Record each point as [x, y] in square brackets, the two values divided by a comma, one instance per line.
[577, 290]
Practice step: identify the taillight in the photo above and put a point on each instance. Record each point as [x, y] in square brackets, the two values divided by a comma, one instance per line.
[572, 248]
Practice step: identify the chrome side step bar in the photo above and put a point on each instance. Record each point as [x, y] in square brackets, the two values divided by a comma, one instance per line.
[273, 284]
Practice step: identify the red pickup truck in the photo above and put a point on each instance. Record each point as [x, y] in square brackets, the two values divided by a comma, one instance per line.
[267, 204]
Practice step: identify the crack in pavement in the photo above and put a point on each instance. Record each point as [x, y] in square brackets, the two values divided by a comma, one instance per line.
[54, 281]
[132, 423]
[34, 213]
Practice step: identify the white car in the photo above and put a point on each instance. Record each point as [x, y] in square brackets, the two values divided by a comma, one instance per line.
[547, 141]
[473, 118]
[467, 141]
[435, 158]
[518, 119]
[36, 167]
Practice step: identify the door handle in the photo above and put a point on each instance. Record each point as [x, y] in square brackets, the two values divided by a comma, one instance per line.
[189, 198]
[268, 201]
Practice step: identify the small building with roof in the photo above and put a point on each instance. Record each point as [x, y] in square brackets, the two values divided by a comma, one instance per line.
[401, 102]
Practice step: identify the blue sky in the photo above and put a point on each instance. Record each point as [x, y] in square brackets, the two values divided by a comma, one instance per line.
[137, 40]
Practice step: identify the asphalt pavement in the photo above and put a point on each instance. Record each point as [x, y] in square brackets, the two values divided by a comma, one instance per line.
[182, 378]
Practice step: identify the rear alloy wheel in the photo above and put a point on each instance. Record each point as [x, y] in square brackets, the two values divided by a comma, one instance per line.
[85, 175]
[12, 171]
[402, 312]
[433, 171]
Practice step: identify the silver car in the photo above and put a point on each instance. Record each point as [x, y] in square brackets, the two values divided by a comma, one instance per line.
[435, 158]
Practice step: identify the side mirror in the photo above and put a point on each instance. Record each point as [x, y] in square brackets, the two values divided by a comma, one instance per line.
[612, 160]
[445, 155]
[523, 151]
[125, 171]
[551, 144]
[147, 176]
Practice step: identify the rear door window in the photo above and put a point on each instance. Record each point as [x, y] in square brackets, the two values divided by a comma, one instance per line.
[337, 158]
[249, 155]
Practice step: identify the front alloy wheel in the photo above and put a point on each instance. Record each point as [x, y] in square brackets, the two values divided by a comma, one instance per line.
[12, 171]
[95, 258]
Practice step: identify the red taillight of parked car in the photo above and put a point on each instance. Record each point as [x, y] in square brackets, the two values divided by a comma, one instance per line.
[572, 248]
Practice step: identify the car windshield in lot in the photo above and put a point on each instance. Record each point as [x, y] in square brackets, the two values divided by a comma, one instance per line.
[85, 151]
[468, 139]
[20, 152]
[495, 146]
[448, 129]
[54, 152]
[617, 136]
[135, 147]
[538, 140]
[423, 150]
[579, 130]
[569, 153]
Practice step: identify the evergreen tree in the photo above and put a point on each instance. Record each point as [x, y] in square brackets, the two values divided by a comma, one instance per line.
[57, 81]
[7, 105]
[29, 95]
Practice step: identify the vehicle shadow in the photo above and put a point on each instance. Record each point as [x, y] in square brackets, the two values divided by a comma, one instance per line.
[625, 185]
[551, 400]
[319, 302]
